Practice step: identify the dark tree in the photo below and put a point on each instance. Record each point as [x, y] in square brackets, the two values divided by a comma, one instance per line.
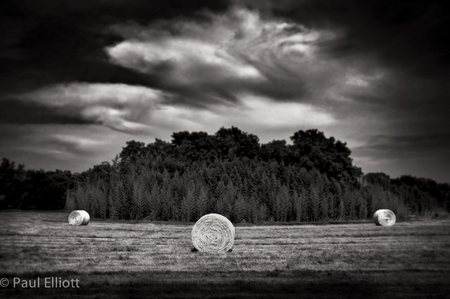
[159, 148]
[132, 151]
[445, 190]
[10, 181]
[426, 191]
[33, 189]
[311, 149]
[102, 171]
[274, 150]
[233, 143]
[378, 178]
[46, 190]
[195, 146]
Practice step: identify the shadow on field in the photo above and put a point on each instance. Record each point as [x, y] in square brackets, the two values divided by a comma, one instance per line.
[269, 284]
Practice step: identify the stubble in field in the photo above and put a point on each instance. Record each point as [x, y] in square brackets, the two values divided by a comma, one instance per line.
[405, 260]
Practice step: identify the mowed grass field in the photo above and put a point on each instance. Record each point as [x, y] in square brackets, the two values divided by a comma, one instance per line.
[128, 259]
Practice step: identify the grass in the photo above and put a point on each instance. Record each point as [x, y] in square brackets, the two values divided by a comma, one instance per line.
[130, 259]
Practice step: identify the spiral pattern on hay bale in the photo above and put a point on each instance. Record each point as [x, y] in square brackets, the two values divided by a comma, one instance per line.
[213, 233]
[79, 217]
[384, 217]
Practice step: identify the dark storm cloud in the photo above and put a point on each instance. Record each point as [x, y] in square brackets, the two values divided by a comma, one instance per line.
[412, 146]
[406, 105]
[45, 42]
[406, 35]
[18, 112]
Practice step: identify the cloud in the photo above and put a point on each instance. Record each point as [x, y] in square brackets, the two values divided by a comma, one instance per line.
[237, 52]
[405, 146]
[44, 42]
[141, 110]
[230, 68]
[189, 61]
[255, 113]
[25, 112]
[59, 146]
[401, 35]
[121, 107]
[262, 111]
[236, 68]
[217, 60]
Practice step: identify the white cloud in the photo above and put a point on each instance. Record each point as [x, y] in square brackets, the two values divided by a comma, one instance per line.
[360, 80]
[195, 61]
[267, 114]
[231, 50]
[118, 106]
[80, 94]
[81, 142]
[255, 111]
[239, 52]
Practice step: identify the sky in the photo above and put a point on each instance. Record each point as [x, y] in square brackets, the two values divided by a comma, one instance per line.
[80, 78]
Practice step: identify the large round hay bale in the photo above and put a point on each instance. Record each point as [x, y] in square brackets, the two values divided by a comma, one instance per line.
[384, 217]
[213, 233]
[79, 217]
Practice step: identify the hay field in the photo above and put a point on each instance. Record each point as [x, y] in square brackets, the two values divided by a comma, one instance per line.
[127, 259]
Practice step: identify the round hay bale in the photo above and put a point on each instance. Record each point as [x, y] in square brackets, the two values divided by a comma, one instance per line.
[213, 233]
[79, 217]
[384, 217]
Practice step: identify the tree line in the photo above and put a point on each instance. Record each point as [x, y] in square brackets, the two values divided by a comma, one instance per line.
[33, 189]
[242, 189]
[229, 172]
[419, 194]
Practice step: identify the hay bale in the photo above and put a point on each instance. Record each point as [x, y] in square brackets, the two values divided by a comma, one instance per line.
[384, 217]
[79, 217]
[213, 233]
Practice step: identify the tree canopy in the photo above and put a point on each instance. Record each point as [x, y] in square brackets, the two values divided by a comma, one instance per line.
[310, 149]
